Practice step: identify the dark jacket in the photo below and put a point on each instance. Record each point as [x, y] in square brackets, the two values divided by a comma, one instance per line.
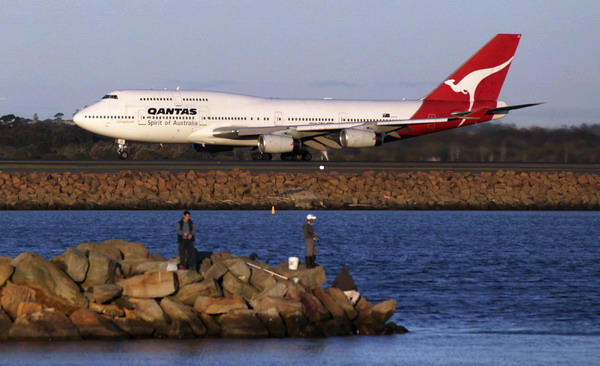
[180, 230]
[344, 281]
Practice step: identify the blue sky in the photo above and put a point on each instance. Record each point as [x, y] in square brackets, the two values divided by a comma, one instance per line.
[58, 56]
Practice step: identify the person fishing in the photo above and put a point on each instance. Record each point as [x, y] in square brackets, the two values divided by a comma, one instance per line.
[185, 239]
[309, 241]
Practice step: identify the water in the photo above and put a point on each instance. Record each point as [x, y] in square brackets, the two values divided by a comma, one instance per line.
[474, 288]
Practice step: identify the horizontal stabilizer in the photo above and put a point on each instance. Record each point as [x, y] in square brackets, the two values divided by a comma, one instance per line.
[479, 113]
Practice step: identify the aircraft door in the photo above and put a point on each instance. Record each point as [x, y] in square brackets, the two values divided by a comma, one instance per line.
[177, 99]
[278, 118]
[202, 118]
[142, 118]
[343, 117]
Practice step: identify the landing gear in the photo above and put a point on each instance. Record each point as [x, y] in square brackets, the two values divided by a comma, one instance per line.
[300, 155]
[261, 156]
[122, 149]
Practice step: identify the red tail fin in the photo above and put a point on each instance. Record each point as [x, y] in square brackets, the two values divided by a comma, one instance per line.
[482, 76]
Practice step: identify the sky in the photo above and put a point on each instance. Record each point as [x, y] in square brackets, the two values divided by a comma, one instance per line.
[58, 56]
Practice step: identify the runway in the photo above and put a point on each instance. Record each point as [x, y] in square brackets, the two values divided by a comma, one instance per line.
[283, 166]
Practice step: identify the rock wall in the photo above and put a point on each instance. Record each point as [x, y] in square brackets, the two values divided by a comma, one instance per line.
[129, 294]
[244, 190]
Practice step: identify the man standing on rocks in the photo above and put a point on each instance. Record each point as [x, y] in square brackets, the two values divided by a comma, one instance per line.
[309, 240]
[185, 239]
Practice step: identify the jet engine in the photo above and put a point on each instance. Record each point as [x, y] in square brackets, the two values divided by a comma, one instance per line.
[277, 144]
[353, 137]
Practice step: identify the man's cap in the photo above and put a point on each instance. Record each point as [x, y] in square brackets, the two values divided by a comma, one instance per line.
[310, 217]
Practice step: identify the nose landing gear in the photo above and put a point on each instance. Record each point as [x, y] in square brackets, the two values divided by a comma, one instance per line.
[122, 149]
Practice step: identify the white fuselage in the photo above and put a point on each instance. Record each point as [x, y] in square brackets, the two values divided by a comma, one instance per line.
[192, 116]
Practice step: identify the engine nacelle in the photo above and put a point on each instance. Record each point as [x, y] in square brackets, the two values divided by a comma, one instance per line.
[352, 137]
[277, 144]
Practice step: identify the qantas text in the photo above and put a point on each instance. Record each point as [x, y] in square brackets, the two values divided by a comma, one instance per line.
[177, 111]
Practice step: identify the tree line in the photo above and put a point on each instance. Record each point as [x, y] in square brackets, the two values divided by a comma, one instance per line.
[20, 139]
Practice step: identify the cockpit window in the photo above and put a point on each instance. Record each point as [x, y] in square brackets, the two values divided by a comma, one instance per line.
[110, 96]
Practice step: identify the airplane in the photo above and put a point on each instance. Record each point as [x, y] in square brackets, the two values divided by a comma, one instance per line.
[217, 122]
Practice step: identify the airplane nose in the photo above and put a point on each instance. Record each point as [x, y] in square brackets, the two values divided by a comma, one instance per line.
[78, 118]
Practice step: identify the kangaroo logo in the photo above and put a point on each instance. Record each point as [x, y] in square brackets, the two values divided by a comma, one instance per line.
[469, 84]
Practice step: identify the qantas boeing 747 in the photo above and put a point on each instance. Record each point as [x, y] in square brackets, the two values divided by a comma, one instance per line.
[215, 122]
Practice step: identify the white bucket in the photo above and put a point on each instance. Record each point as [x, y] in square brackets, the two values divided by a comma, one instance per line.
[293, 263]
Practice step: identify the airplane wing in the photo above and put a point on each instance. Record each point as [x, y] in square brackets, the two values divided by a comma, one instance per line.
[310, 130]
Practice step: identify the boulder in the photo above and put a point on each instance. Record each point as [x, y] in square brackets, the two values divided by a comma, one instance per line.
[149, 311]
[238, 287]
[179, 312]
[372, 320]
[5, 324]
[315, 311]
[149, 285]
[104, 293]
[52, 286]
[239, 268]
[334, 309]
[25, 255]
[157, 257]
[271, 319]
[281, 304]
[216, 271]
[110, 310]
[136, 328]
[335, 327]
[74, 262]
[133, 267]
[6, 270]
[150, 266]
[297, 325]
[93, 326]
[213, 328]
[393, 328]
[49, 324]
[242, 324]
[261, 279]
[13, 295]
[187, 277]
[219, 305]
[101, 270]
[188, 294]
[107, 250]
[180, 330]
[340, 298]
[25, 308]
[311, 278]
[278, 289]
[129, 249]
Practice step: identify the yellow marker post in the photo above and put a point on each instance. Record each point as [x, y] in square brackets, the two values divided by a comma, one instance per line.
[272, 210]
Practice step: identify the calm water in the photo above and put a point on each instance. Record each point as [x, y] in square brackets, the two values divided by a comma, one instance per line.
[482, 288]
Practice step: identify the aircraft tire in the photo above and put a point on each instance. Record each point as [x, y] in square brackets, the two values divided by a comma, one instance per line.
[307, 156]
[123, 155]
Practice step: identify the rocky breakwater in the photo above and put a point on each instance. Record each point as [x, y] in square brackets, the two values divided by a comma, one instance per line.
[244, 190]
[118, 290]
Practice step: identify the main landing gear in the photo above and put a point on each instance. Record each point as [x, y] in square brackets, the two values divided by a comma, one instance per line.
[122, 149]
[300, 155]
[260, 156]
